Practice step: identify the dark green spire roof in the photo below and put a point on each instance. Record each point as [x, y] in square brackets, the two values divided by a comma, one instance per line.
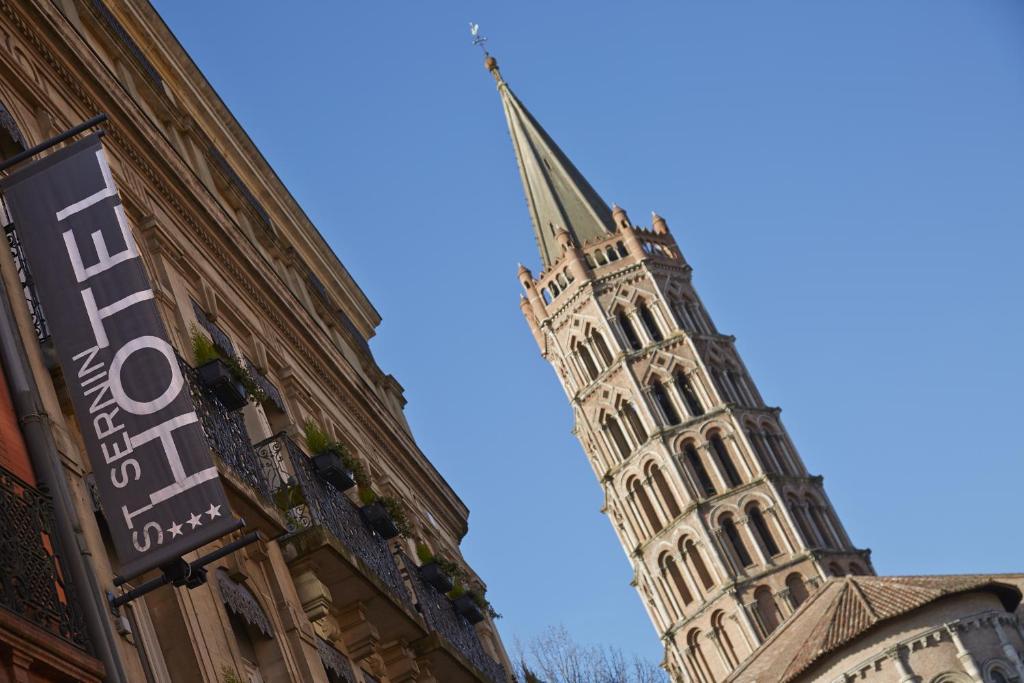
[557, 194]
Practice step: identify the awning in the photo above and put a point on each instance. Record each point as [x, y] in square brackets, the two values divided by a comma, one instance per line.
[242, 602]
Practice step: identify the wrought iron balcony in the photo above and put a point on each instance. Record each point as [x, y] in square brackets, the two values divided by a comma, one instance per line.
[228, 437]
[440, 616]
[25, 276]
[32, 578]
[321, 505]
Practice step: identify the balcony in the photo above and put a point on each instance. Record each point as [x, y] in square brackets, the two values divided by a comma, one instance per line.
[41, 619]
[453, 648]
[327, 531]
[250, 478]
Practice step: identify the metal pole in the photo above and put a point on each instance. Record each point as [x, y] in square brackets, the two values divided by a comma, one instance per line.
[52, 142]
[35, 427]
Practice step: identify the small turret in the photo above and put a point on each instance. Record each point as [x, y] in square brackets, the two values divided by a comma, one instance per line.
[625, 228]
[658, 224]
[532, 295]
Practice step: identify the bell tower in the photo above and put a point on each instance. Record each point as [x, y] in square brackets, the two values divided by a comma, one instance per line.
[726, 530]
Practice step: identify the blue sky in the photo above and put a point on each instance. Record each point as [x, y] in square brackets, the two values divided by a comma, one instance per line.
[845, 178]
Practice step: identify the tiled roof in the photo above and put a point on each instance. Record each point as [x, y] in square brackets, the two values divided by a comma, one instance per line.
[845, 608]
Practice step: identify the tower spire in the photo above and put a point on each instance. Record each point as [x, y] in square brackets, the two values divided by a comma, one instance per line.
[557, 195]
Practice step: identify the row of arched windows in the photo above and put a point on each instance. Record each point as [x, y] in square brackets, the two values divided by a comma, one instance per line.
[691, 317]
[662, 504]
[685, 577]
[721, 461]
[649, 324]
[759, 533]
[773, 450]
[604, 256]
[593, 355]
[734, 387]
[616, 433]
[816, 523]
[679, 394]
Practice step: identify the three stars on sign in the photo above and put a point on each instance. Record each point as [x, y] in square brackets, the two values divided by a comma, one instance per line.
[196, 520]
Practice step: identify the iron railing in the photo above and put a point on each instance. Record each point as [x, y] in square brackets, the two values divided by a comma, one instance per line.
[225, 430]
[323, 505]
[28, 286]
[32, 577]
[440, 615]
[335, 661]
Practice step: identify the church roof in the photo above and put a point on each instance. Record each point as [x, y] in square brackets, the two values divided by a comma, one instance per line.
[844, 609]
[557, 194]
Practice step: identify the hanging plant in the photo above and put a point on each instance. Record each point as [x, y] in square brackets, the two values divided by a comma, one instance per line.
[226, 376]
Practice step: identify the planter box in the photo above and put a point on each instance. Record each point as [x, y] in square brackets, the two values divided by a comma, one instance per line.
[465, 606]
[331, 469]
[216, 377]
[377, 518]
[433, 575]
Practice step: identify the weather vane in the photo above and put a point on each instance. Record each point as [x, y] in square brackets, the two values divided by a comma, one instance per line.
[474, 30]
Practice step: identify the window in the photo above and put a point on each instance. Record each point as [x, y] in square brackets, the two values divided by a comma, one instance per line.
[602, 349]
[797, 589]
[718, 626]
[634, 422]
[658, 477]
[588, 361]
[732, 535]
[629, 331]
[689, 395]
[693, 459]
[668, 409]
[702, 672]
[645, 504]
[653, 331]
[767, 610]
[617, 437]
[670, 567]
[691, 554]
[763, 532]
[732, 476]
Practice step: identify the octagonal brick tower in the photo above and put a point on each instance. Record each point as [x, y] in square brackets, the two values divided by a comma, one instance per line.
[725, 529]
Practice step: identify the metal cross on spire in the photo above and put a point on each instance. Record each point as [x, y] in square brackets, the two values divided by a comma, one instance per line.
[481, 41]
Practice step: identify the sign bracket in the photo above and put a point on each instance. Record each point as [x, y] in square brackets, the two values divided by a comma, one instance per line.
[180, 572]
[53, 142]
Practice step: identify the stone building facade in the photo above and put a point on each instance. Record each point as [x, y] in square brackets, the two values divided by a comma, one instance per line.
[728, 534]
[232, 258]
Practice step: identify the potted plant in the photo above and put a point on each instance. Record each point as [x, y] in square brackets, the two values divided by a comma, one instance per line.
[229, 381]
[377, 514]
[466, 604]
[435, 571]
[214, 374]
[331, 459]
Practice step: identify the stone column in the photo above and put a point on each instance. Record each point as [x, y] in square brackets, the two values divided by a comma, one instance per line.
[786, 599]
[743, 527]
[773, 514]
[966, 658]
[906, 674]
[1008, 649]
[713, 637]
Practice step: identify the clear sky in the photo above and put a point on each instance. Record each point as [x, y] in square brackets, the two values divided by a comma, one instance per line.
[846, 179]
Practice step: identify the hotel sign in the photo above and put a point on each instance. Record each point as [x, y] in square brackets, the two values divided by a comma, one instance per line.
[157, 481]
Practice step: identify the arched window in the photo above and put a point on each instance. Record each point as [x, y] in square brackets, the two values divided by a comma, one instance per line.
[856, 569]
[629, 331]
[778, 450]
[691, 554]
[695, 463]
[763, 532]
[821, 522]
[670, 568]
[798, 511]
[797, 589]
[653, 331]
[732, 535]
[702, 672]
[600, 258]
[602, 349]
[588, 361]
[621, 249]
[693, 404]
[718, 626]
[634, 422]
[665, 403]
[612, 256]
[767, 610]
[658, 477]
[835, 570]
[645, 504]
[768, 463]
[732, 476]
[618, 438]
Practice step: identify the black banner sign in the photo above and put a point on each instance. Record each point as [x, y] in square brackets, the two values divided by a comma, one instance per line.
[156, 479]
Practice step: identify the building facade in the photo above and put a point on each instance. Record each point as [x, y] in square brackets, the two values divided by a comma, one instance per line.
[235, 265]
[727, 532]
